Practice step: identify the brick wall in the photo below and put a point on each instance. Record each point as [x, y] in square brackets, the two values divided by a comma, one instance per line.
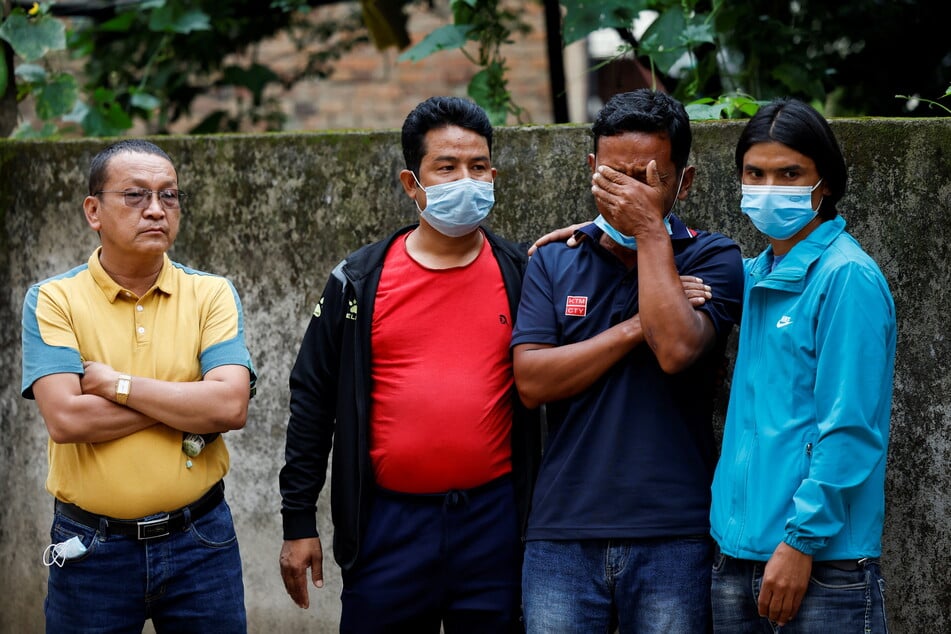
[371, 89]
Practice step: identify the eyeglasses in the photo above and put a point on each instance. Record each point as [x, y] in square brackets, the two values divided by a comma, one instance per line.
[142, 198]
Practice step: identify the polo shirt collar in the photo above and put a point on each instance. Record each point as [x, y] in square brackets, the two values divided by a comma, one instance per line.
[111, 289]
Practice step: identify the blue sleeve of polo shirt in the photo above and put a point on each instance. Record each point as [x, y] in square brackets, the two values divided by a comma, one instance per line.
[40, 359]
[717, 261]
[536, 321]
[233, 351]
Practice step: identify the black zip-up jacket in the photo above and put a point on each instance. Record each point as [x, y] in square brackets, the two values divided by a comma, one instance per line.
[330, 403]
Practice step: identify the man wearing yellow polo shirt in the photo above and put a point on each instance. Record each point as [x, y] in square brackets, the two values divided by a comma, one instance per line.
[138, 364]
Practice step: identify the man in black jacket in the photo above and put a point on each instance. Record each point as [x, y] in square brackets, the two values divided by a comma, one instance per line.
[405, 367]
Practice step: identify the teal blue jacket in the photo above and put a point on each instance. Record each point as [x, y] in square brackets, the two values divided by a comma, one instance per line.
[806, 436]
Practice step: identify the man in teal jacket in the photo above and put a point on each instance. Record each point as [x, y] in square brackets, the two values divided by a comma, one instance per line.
[798, 494]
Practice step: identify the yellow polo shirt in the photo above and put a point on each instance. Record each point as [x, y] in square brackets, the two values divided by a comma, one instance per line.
[188, 323]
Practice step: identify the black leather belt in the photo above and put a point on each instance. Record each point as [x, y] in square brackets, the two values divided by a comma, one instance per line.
[151, 528]
[848, 565]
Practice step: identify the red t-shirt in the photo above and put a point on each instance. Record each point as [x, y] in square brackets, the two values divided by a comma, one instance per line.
[441, 414]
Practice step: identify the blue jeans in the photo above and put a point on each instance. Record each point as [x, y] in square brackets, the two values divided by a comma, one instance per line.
[638, 585]
[840, 601]
[189, 581]
[452, 559]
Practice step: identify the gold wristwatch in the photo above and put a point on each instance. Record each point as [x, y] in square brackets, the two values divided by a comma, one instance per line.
[123, 387]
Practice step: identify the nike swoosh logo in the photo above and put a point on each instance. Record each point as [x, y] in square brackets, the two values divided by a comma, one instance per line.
[784, 321]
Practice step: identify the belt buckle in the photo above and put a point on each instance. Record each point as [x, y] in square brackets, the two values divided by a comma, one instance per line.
[152, 529]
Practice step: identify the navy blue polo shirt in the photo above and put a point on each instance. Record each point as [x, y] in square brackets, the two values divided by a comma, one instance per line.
[633, 455]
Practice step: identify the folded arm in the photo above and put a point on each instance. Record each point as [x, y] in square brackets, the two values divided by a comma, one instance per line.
[217, 403]
[546, 373]
[72, 416]
[83, 408]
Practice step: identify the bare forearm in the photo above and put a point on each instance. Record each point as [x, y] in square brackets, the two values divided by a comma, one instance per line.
[200, 407]
[550, 373]
[217, 403]
[76, 417]
[676, 332]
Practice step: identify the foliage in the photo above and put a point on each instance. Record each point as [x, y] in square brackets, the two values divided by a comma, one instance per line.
[733, 106]
[146, 61]
[678, 31]
[149, 60]
[683, 48]
[32, 35]
[848, 57]
[725, 58]
[490, 25]
[932, 103]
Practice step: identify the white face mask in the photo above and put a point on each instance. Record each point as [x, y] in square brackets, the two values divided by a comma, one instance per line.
[456, 208]
[60, 553]
[779, 211]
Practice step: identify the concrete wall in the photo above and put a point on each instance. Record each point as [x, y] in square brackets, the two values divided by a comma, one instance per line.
[275, 213]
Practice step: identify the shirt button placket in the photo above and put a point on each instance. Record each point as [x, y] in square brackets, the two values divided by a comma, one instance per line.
[139, 328]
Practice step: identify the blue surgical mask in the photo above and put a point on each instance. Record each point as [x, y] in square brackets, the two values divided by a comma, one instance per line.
[626, 241]
[456, 208]
[779, 211]
[630, 242]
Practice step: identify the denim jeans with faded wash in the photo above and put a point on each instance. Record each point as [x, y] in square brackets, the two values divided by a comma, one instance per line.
[189, 581]
[837, 600]
[639, 586]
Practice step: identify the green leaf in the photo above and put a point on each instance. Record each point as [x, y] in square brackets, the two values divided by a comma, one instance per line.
[32, 39]
[445, 38]
[105, 117]
[33, 73]
[105, 122]
[144, 100]
[485, 90]
[479, 88]
[731, 106]
[78, 113]
[57, 97]
[463, 10]
[698, 33]
[662, 41]
[745, 105]
[585, 16]
[121, 23]
[171, 18]
[700, 112]
[4, 76]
